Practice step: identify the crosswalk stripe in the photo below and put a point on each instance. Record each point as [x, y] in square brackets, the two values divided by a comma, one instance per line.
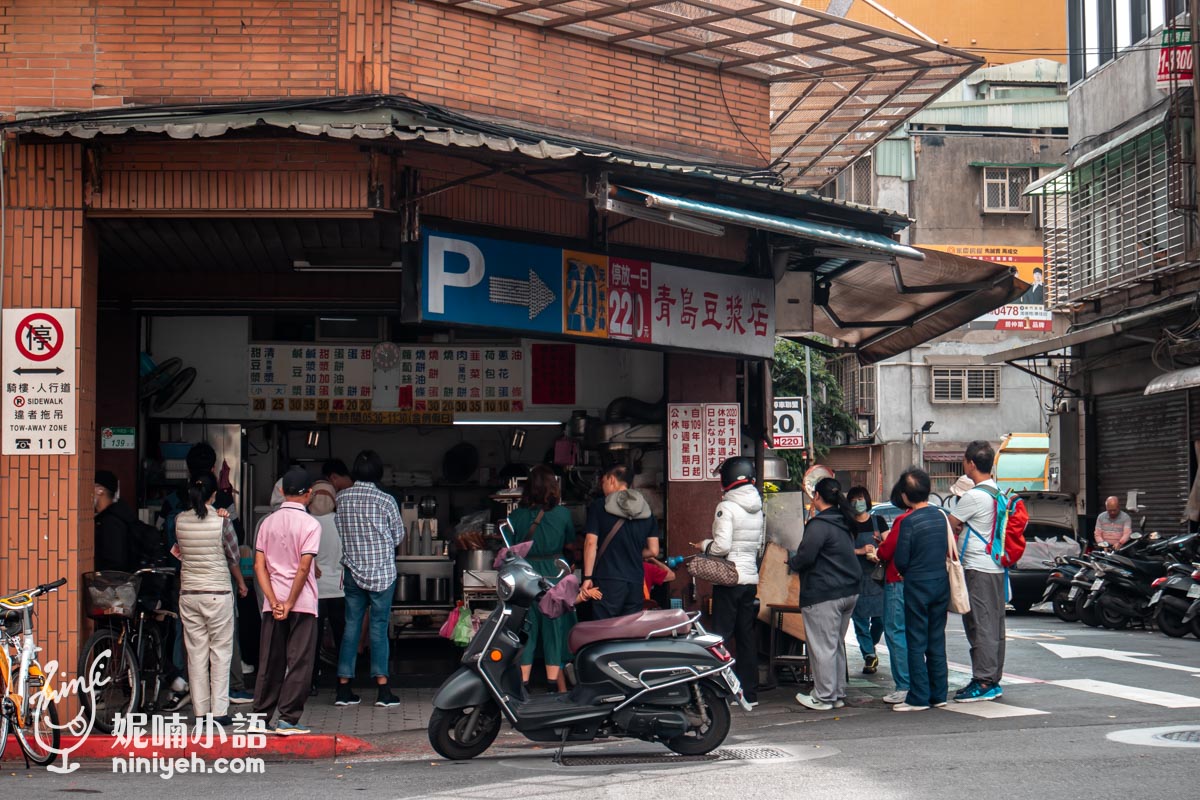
[1137, 694]
[992, 710]
[1008, 679]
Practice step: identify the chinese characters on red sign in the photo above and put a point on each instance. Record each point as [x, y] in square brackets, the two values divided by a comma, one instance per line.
[700, 436]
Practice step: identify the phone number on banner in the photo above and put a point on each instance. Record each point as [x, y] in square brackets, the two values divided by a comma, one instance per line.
[386, 417]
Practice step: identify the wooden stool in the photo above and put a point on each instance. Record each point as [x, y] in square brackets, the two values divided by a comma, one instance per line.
[796, 663]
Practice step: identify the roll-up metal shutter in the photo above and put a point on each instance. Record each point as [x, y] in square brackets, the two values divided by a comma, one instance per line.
[1143, 444]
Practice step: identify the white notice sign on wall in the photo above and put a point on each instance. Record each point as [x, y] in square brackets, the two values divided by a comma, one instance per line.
[39, 381]
[700, 436]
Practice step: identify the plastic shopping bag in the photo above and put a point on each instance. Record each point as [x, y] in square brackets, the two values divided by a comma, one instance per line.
[463, 630]
[447, 629]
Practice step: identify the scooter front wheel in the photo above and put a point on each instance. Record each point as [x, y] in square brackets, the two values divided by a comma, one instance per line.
[462, 733]
[1064, 609]
[712, 711]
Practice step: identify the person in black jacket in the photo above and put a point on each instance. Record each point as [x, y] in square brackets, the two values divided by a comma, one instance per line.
[117, 546]
[921, 548]
[829, 581]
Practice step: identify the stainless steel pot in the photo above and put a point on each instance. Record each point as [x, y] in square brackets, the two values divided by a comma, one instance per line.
[437, 590]
[474, 560]
[408, 588]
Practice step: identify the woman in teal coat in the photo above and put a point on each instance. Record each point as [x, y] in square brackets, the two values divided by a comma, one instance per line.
[540, 516]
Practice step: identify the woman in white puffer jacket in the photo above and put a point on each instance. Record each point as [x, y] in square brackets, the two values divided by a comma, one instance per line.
[737, 534]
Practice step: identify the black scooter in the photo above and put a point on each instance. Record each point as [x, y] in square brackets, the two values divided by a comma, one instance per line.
[1063, 570]
[1175, 594]
[1123, 588]
[656, 676]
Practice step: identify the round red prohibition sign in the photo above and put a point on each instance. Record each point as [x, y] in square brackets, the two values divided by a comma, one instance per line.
[39, 337]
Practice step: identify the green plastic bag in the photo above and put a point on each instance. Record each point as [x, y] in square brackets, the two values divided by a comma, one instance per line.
[463, 630]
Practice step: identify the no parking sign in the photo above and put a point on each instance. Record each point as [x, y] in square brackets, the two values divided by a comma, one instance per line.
[39, 381]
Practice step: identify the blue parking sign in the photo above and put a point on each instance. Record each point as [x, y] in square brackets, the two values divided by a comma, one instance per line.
[491, 283]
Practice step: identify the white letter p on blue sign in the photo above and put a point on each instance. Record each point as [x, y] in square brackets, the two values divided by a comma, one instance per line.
[440, 277]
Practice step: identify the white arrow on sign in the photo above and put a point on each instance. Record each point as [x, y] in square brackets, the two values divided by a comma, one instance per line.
[1071, 651]
[533, 293]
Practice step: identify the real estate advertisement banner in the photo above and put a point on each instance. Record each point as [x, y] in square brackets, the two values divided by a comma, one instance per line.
[1030, 311]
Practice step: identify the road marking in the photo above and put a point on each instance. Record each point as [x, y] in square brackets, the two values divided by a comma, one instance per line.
[1072, 651]
[1137, 694]
[992, 710]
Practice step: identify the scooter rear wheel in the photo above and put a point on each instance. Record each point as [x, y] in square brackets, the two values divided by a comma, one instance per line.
[1066, 610]
[1113, 620]
[713, 729]
[1088, 615]
[448, 731]
[1170, 622]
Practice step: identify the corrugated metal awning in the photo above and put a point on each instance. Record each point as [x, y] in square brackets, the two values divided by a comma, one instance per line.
[800, 228]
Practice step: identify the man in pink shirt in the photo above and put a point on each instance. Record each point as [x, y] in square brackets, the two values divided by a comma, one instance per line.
[286, 545]
[1113, 527]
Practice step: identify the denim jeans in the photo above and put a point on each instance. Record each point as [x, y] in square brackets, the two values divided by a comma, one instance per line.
[893, 633]
[925, 606]
[357, 602]
[868, 631]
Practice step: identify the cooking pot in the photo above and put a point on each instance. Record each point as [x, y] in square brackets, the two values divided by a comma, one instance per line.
[474, 560]
[437, 590]
[408, 588]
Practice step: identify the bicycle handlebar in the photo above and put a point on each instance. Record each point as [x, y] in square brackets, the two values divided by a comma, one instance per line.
[46, 588]
[155, 571]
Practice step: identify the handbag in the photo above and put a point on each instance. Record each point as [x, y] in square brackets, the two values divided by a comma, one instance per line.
[879, 573]
[960, 602]
[717, 571]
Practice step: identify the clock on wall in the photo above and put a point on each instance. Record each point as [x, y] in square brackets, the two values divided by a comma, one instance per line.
[387, 356]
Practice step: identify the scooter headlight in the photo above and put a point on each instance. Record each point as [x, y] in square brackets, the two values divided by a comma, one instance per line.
[505, 586]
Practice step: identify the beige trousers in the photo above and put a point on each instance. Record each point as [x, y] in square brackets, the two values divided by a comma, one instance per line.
[208, 634]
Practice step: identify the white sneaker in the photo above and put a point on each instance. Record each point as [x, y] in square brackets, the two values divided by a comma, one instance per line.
[895, 697]
[808, 701]
[907, 707]
[839, 703]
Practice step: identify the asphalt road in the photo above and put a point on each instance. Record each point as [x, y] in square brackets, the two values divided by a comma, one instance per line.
[1056, 734]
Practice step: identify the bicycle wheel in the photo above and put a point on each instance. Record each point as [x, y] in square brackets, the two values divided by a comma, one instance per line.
[39, 735]
[122, 692]
[4, 722]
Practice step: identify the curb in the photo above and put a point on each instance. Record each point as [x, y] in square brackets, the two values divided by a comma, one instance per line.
[309, 747]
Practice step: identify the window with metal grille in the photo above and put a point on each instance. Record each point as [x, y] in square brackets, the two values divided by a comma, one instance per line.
[858, 386]
[1110, 222]
[965, 385]
[1003, 189]
[855, 184]
[942, 475]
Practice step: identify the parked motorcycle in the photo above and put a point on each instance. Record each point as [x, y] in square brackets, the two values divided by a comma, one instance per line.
[1123, 587]
[1086, 573]
[1175, 594]
[1192, 618]
[1058, 586]
[657, 676]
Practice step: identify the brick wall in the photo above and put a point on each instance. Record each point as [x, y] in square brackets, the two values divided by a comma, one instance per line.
[46, 529]
[84, 54]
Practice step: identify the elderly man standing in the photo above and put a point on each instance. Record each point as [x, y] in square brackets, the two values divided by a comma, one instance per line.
[1113, 527]
[369, 523]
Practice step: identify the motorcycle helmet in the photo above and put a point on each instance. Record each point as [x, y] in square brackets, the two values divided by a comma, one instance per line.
[736, 471]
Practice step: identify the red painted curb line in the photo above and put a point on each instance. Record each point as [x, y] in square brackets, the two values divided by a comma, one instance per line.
[301, 747]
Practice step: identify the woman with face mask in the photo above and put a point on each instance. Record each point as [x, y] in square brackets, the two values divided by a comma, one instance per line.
[868, 612]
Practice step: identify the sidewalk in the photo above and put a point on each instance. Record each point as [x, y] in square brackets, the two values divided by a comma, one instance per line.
[366, 720]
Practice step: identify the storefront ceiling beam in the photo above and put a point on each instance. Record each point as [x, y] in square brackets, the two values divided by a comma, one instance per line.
[448, 185]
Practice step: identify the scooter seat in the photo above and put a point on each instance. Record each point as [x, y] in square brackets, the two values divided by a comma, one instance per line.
[1146, 567]
[659, 622]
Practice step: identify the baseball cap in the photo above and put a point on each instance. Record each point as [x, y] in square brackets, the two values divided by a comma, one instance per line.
[296, 481]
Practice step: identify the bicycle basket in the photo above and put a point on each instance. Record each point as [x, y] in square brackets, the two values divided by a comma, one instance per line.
[109, 593]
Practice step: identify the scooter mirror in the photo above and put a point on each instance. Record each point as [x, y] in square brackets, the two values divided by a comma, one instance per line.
[563, 568]
[506, 529]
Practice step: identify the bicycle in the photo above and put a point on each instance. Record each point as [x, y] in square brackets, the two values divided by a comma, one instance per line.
[136, 663]
[23, 680]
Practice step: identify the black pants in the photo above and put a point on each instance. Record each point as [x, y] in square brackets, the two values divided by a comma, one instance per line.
[733, 618]
[333, 611]
[620, 598]
[925, 605]
[285, 665]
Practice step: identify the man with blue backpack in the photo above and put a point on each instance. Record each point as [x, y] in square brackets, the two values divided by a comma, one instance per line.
[979, 522]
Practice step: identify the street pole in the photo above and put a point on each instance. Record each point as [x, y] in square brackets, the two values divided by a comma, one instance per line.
[1194, 20]
[808, 404]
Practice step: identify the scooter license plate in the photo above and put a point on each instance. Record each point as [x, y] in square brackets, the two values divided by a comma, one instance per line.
[1071, 595]
[1194, 591]
[1157, 596]
[1097, 584]
[732, 682]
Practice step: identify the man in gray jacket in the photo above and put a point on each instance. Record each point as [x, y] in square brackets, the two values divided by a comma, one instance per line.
[738, 530]
[620, 532]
